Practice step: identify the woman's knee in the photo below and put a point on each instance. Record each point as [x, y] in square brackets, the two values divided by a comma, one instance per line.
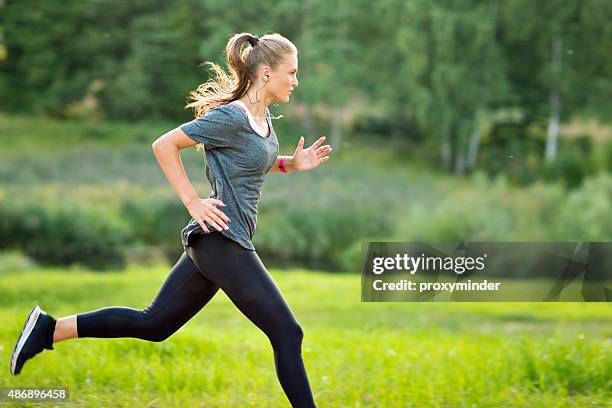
[153, 330]
[158, 336]
[297, 333]
[290, 335]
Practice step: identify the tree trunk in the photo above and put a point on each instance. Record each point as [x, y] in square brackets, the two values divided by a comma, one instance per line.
[446, 149]
[552, 134]
[474, 141]
[460, 151]
[460, 162]
[336, 130]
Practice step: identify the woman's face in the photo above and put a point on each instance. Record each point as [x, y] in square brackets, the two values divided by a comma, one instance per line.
[283, 79]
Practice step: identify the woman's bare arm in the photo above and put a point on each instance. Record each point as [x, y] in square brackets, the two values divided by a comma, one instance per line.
[166, 150]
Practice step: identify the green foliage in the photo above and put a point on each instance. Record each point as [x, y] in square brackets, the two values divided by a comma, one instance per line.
[607, 149]
[463, 215]
[496, 212]
[585, 214]
[315, 219]
[326, 236]
[14, 261]
[570, 166]
[433, 76]
[156, 221]
[62, 233]
[40, 138]
[318, 237]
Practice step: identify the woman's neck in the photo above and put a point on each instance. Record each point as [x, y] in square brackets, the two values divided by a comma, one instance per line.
[258, 109]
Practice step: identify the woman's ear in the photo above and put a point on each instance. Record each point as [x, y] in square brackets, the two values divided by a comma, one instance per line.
[265, 72]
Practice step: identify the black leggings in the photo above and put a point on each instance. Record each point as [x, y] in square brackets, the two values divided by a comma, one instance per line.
[212, 262]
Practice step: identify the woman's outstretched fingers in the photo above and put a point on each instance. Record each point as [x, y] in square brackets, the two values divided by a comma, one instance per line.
[323, 150]
[318, 142]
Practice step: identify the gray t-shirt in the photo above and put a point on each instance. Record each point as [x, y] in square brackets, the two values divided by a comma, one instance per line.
[238, 159]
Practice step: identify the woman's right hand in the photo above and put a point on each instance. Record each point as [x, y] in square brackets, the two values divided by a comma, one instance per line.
[206, 210]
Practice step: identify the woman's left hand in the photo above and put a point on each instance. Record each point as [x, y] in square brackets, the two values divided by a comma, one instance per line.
[308, 159]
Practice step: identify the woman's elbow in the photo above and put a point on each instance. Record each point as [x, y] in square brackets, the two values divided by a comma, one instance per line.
[163, 144]
[157, 144]
[161, 148]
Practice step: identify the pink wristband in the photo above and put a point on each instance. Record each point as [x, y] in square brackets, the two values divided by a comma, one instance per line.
[281, 165]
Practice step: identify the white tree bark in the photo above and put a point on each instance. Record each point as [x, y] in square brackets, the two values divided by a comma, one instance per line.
[554, 118]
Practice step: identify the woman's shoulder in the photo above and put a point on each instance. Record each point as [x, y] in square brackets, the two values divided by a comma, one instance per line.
[227, 108]
[239, 108]
[226, 111]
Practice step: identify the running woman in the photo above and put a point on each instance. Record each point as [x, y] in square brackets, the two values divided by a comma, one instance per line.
[233, 125]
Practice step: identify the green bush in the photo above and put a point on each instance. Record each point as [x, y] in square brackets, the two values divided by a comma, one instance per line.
[14, 261]
[485, 211]
[571, 166]
[157, 221]
[63, 233]
[606, 157]
[585, 214]
[318, 237]
[478, 214]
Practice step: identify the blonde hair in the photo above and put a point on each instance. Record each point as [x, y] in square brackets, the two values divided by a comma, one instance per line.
[223, 88]
[270, 50]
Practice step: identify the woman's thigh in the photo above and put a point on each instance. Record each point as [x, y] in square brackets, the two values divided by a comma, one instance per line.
[184, 292]
[243, 277]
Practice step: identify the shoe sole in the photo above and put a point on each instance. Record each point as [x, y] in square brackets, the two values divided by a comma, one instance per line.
[24, 335]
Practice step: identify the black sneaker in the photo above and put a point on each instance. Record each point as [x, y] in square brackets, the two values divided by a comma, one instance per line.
[36, 335]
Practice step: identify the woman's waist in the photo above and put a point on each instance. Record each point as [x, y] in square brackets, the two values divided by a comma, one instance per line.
[237, 202]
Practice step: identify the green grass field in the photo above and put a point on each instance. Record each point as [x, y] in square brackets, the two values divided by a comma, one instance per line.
[357, 354]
